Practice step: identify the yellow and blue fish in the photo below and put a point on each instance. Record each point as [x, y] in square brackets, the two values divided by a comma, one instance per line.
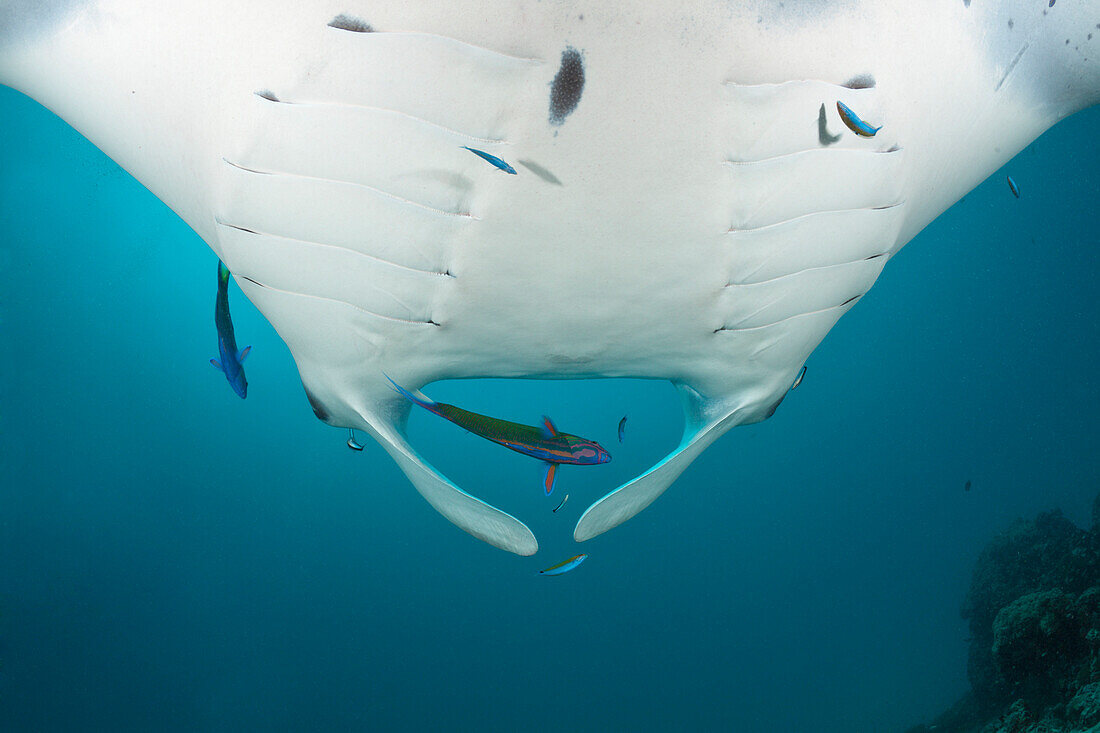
[565, 566]
[545, 442]
[854, 123]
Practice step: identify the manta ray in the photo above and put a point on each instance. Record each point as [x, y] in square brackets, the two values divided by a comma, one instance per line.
[687, 203]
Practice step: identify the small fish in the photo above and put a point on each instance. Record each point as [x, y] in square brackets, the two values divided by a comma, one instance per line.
[967, 487]
[622, 428]
[354, 444]
[854, 123]
[1013, 187]
[544, 443]
[564, 566]
[798, 379]
[823, 135]
[492, 159]
[559, 506]
[229, 361]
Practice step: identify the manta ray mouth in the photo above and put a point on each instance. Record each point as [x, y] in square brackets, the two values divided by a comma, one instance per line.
[474, 482]
[588, 408]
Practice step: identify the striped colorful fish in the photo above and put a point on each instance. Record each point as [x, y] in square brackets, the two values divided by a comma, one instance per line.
[565, 566]
[545, 443]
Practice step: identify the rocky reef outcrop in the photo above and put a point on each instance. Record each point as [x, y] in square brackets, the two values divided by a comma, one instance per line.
[1034, 614]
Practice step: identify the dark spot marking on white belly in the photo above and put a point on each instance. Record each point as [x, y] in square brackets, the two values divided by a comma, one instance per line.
[350, 23]
[268, 95]
[861, 81]
[565, 91]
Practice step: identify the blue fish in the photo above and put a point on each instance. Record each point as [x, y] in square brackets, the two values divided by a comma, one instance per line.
[492, 159]
[798, 379]
[229, 361]
[354, 444]
[1013, 187]
[565, 566]
[854, 123]
[622, 428]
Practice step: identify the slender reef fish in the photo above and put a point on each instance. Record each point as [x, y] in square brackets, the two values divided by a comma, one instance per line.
[559, 506]
[544, 443]
[622, 428]
[229, 361]
[798, 379]
[564, 566]
[492, 159]
[354, 444]
[854, 123]
[1013, 187]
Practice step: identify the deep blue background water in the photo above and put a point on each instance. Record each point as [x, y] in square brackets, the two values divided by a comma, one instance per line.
[172, 558]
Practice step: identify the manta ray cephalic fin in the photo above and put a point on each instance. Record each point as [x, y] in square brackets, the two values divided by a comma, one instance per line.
[470, 514]
[704, 422]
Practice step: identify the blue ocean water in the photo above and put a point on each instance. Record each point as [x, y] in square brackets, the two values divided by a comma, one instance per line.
[172, 558]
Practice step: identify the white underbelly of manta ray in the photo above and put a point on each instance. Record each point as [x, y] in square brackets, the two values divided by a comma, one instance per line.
[687, 203]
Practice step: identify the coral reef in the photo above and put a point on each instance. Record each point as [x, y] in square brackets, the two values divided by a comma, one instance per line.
[1034, 613]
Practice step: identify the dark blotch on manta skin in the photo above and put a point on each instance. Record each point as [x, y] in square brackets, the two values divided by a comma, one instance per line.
[318, 408]
[966, 3]
[350, 23]
[268, 95]
[863, 81]
[565, 91]
[823, 135]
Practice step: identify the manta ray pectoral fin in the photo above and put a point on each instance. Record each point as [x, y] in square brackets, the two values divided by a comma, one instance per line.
[705, 421]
